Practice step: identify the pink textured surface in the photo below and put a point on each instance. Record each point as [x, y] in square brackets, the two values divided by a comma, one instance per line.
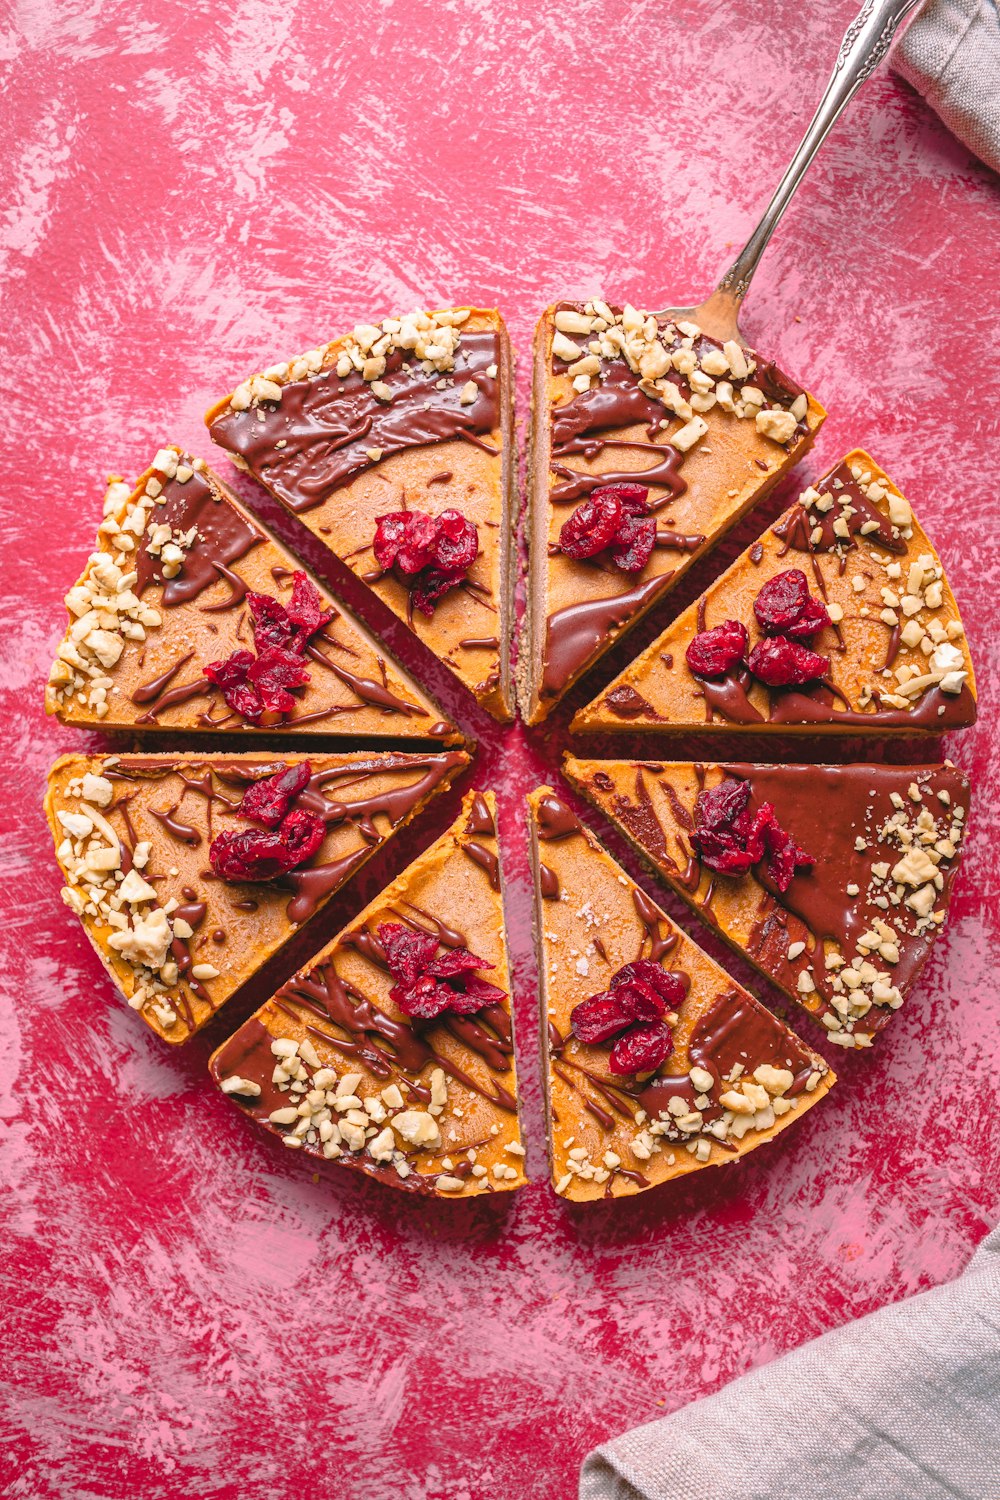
[191, 192]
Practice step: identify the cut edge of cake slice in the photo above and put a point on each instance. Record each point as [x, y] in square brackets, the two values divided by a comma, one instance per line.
[890, 638]
[134, 833]
[859, 850]
[733, 1077]
[341, 1069]
[177, 556]
[423, 407]
[699, 491]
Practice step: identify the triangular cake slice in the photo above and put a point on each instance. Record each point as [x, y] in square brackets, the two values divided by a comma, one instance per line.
[623, 397]
[839, 620]
[184, 580]
[657, 1063]
[394, 445]
[188, 872]
[393, 1053]
[851, 882]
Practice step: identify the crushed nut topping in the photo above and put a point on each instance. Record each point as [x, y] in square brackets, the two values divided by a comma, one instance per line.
[328, 1113]
[106, 612]
[430, 338]
[714, 375]
[138, 928]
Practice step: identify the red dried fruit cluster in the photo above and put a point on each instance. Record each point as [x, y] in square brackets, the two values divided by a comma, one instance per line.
[632, 1009]
[255, 685]
[429, 983]
[785, 606]
[779, 662]
[715, 652]
[288, 838]
[729, 838]
[613, 519]
[785, 611]
[268, 800]
[430, 554]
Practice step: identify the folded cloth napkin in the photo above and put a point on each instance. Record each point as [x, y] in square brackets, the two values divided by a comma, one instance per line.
[902, 1405]
[951, 54]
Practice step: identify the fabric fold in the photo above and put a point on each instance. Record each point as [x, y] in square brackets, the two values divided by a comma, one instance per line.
[901, 1405]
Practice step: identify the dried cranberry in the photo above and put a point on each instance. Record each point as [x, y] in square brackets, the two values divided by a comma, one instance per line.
[430, 584]
[667, 987]
[271, 625]
[389, 534]
[301, 833]
[779, 662]
[456, 545]
[305, 609]
[417, 548]
[642, 1049]
[231, 676]
[406, 952]
[425, 999]
[432, 554]
[456, 961]
[428, 985]
[599, 1018]
[632, 1010]
[268, 800]
[783, 854]
[593, 526]
[713, 653]
[785, 606]
[275, 671]
[250, 854]
[475, 993]
[729, 839]
[634, 543]
[632, 498]
[717, 806]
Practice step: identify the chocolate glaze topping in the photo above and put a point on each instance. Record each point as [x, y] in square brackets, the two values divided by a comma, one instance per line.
[796, 526]
[328, 424]
[224, 536]
[573, 633]
[825, 808]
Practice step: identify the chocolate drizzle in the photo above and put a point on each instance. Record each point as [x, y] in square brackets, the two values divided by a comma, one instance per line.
[625, 703]
[739, 1031]
[223, 537]
[328, 424]
[574, 633]
[796, 526]
[825, 808]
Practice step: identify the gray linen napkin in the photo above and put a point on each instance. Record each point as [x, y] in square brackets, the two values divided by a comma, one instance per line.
[902, 1405]
[951, 54]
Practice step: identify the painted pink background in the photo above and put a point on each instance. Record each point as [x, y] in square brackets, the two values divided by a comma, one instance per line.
[192, 190]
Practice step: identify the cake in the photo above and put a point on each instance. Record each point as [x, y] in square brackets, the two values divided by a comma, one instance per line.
[394, 445]
[393, 1053]
[839, 620]
[188, 872]
[191, 616]
[657, 1063]
[833, 880]
[649, 440]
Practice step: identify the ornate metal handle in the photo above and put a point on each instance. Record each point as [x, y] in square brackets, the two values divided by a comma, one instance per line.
[866, 41]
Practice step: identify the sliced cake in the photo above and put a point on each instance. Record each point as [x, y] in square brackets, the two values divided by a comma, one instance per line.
[188, 872]
[657, 1063]
[839, 619]
[393, 1052]
[191, 616]
[834, 880]
[394, 444]
[649, 440]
